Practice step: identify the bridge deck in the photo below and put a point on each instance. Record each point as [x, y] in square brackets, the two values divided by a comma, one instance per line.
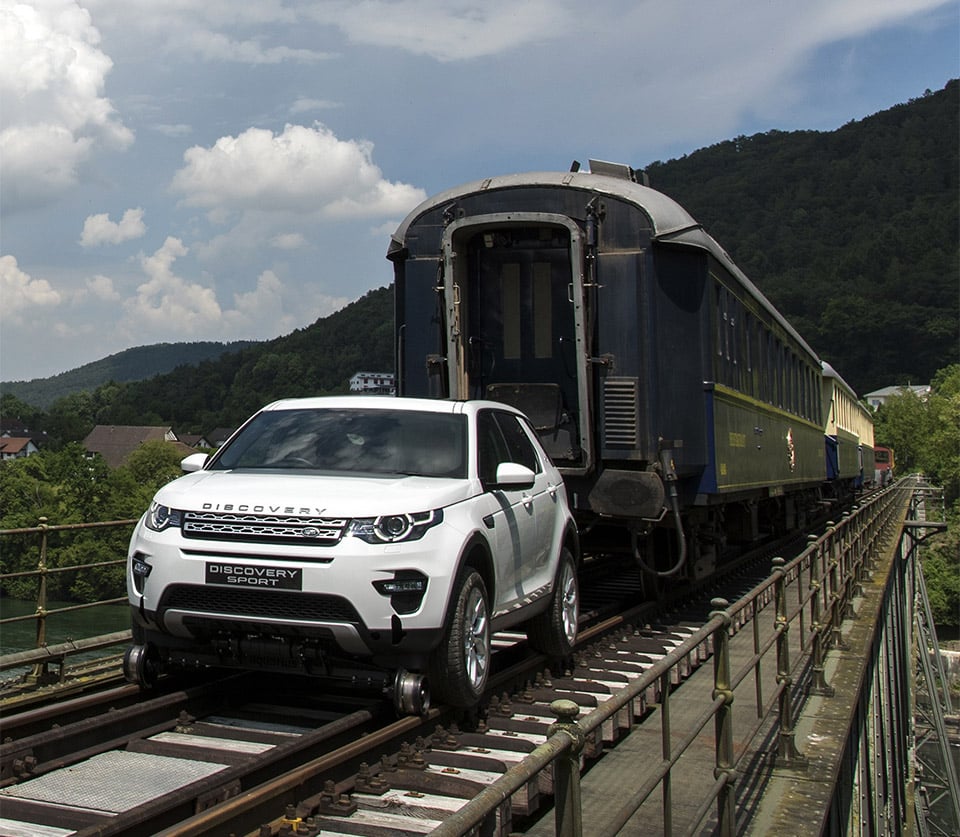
[776, 795]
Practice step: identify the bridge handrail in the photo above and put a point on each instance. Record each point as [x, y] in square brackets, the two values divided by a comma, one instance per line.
[43, 654]
[835, 565]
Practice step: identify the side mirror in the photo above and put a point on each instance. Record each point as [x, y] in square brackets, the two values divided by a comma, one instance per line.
[514, 475]
[194, 462]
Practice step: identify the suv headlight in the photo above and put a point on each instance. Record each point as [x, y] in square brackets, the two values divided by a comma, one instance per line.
[394, 528]
[160, 517]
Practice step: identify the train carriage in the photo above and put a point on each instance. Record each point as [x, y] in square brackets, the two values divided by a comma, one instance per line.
[848, 435]
[884, 464]
[671, 393]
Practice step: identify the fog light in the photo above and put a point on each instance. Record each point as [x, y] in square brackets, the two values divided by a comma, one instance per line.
[141, 570]
[406, 590]
[389, 588]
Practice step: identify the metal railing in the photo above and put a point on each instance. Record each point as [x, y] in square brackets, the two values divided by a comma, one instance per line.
[825, 577]
[43, 655]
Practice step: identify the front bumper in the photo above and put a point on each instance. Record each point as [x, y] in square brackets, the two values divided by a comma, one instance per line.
[186, 593]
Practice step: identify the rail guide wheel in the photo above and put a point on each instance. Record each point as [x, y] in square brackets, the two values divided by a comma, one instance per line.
[141, 665]
[411, 693]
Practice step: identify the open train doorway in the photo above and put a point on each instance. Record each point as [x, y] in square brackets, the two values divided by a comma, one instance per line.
[516, 327]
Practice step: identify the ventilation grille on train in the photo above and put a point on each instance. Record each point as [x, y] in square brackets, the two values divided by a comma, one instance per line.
[621, 417]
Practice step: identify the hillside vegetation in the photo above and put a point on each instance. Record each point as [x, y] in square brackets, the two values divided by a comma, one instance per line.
[131, 365]
[852, 234]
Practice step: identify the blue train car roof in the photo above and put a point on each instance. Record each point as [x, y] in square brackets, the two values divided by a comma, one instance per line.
[670, 221]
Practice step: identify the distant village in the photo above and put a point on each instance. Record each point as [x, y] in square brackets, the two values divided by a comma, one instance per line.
[116, 442]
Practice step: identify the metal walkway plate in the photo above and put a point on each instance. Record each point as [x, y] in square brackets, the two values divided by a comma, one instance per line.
[113, 782]
[15, 828]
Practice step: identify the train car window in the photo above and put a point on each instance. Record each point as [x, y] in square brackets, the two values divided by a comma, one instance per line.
[718, 308]
[510, 306]
[728, 328]
[781, 372]
[736, 339]
[771, 364]
[542, 310]
[794, 383]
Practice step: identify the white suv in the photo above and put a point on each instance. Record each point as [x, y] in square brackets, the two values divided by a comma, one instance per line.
[348, 534]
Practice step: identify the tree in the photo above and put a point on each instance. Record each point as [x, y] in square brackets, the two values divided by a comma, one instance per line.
[902, 423]
[925, 436]
[941, 572]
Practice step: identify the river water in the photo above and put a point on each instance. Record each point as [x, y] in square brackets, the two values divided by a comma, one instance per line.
[78, 624]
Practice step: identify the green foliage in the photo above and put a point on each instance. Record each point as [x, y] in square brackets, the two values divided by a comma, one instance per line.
[925, 432]
[941, 571]
[130, 365]
[67, 487]
[925, 436]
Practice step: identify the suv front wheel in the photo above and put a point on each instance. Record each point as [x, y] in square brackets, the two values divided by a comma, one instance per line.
[460, 665]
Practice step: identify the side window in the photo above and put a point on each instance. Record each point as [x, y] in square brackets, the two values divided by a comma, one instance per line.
[501, 438]
[491, 447]
[518, 444]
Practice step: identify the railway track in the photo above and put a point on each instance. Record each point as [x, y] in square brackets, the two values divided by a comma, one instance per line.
[269, 755]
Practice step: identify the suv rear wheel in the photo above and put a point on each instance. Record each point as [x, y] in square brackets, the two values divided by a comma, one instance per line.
[554, 631]
[460, 665]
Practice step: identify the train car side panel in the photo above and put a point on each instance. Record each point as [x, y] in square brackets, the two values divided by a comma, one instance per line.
[759, 446]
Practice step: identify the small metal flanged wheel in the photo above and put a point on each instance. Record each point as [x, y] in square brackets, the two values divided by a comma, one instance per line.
[141, 665]
[411, 693]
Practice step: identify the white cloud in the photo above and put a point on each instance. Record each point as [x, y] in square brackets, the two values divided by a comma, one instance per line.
[102, 288]
[21, 292]
[299, 170]
[52, 75]
[99, 229]
[215, 46]
[450, 30]
[306, 105]
[173, 131]
[167, 303]
[288, 241]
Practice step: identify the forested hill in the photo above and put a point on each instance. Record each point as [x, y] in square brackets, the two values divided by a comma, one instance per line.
[130, 365]
[314, 360]
[852, 234]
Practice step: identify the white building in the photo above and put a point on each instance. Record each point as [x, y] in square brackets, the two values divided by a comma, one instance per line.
[879, 396]
[374, 382]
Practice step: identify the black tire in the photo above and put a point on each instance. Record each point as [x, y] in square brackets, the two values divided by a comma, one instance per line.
[460, 665]
[554, 631]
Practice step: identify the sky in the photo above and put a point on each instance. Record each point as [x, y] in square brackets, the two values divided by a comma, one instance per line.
[219, 170]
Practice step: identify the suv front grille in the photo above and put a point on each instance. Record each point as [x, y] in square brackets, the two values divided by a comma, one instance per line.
[263, 528]
[258, 604]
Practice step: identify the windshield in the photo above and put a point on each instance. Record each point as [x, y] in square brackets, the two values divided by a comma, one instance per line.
[355, 439]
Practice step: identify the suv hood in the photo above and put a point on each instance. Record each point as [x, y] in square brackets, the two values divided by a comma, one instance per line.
[273, 492]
